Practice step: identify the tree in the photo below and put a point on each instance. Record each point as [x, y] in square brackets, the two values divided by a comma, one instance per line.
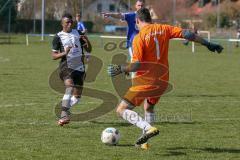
[4, 12]
[54, 8]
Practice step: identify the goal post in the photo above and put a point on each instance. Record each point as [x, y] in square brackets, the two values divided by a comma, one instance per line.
[37, 35]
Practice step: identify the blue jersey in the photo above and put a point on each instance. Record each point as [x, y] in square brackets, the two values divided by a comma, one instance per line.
[132, 28]
[80, 26]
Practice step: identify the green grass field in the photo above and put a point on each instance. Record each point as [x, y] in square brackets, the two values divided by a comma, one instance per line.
[198, 119]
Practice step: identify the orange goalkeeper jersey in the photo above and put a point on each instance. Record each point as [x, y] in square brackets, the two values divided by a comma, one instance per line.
[151, 46]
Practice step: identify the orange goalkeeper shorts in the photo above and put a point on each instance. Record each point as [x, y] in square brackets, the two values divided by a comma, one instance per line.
[137, 94]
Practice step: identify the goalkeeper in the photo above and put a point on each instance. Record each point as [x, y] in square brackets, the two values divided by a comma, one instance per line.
[150, 62]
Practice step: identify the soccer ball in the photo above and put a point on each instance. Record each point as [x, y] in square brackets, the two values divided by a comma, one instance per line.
[110, 136]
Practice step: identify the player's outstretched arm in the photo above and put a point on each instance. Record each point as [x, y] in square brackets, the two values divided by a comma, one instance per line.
[113, 15]
[187, 34]
[114, 69]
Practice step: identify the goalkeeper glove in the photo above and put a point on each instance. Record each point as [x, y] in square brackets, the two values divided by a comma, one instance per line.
[114, 69]
[213, 46]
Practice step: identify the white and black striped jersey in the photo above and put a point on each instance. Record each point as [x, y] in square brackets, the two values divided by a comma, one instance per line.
[74, 58]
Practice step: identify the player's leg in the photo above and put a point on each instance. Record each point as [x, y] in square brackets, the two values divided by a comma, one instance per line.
[124, 109]
[76, 95]
[149, 117]
[66, 102]
[73, 81]
[78, 79]
[149, 111]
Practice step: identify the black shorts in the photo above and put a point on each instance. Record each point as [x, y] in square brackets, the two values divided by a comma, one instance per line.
[68, 73]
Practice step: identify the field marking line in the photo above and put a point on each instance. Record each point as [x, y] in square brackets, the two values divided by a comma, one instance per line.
[18, 105]
[203, 100]
[2, 59]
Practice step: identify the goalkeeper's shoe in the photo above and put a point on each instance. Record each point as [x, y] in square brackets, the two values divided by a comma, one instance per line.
[63, 121]
[144, 146]
[149, 134]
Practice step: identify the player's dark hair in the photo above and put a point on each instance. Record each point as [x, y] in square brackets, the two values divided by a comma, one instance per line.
[67, 15]
[78, 15]
[144, 15]
[143, 1]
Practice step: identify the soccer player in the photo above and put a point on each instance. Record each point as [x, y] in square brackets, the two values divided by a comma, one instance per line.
[133, 30]
[68, 45]
[130, 19]
[82, 31]
[150, 62]
[80, 25]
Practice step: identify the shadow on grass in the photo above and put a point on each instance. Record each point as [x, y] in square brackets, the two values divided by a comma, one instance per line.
[175, 153]
[206, 95]
[181, 150]
[114, 124]
[125, 145]
[121, 145]
[123, 124]
[176, 122]
[8, 74]
[220, 150]
[90, 124]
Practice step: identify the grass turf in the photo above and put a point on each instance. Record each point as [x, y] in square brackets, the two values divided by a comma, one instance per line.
[198, 119]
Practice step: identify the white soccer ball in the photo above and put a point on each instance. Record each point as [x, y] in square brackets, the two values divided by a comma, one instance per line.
[110, 136]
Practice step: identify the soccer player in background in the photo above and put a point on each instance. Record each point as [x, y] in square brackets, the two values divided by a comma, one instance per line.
[150, 62]
[82, 31]
[80, 25]
[68, 45]
[131, 22]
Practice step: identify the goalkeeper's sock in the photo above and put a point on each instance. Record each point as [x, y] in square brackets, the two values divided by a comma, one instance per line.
[133, 118]
[150, 118]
